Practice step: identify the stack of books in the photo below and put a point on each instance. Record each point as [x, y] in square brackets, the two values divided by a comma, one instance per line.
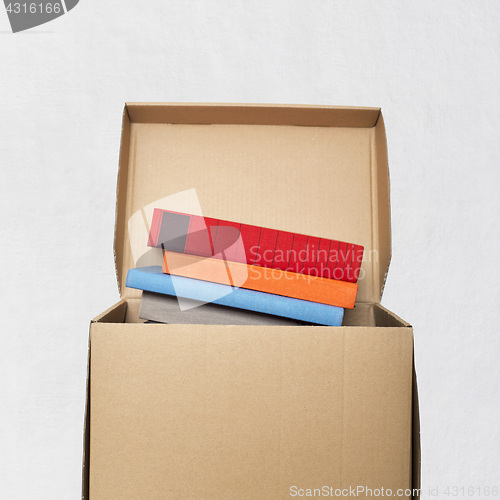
[221, 272]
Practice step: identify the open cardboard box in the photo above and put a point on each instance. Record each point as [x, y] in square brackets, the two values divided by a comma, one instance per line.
[247, 412]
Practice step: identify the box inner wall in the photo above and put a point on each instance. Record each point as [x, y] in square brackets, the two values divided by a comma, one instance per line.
[309, 180]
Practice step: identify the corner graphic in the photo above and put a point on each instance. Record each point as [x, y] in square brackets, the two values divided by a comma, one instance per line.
[170, 241]
[26, 15]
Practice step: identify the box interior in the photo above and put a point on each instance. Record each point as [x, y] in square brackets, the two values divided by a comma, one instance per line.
[369, 315]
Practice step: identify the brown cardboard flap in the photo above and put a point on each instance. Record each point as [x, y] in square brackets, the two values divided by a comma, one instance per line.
[315, 170]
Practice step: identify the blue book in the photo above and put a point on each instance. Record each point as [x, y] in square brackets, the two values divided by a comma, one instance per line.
[152, 279]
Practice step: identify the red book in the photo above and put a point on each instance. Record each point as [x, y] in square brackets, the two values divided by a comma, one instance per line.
[256, 246]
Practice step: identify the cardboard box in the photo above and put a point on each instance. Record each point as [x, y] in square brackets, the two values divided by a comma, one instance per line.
[254, 412]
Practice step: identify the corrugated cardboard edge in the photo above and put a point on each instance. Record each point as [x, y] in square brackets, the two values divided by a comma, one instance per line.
[393, 319]
[86, 434]
[416, 454]
[262, 114]
[121, 186]
[381, 211]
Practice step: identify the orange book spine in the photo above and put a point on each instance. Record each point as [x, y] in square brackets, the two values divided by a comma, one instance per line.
[262, 279]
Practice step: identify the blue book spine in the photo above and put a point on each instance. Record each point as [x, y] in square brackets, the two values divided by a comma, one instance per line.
[152, 279]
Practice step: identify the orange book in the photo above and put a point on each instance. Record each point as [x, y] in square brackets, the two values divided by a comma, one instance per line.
[262, 279]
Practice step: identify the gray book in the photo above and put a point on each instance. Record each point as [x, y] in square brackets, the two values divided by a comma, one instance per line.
[159, 308]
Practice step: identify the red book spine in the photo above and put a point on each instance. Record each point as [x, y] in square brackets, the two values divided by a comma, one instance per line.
[253, 245]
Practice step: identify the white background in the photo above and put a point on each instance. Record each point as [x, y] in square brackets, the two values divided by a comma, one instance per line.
[432, 66]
